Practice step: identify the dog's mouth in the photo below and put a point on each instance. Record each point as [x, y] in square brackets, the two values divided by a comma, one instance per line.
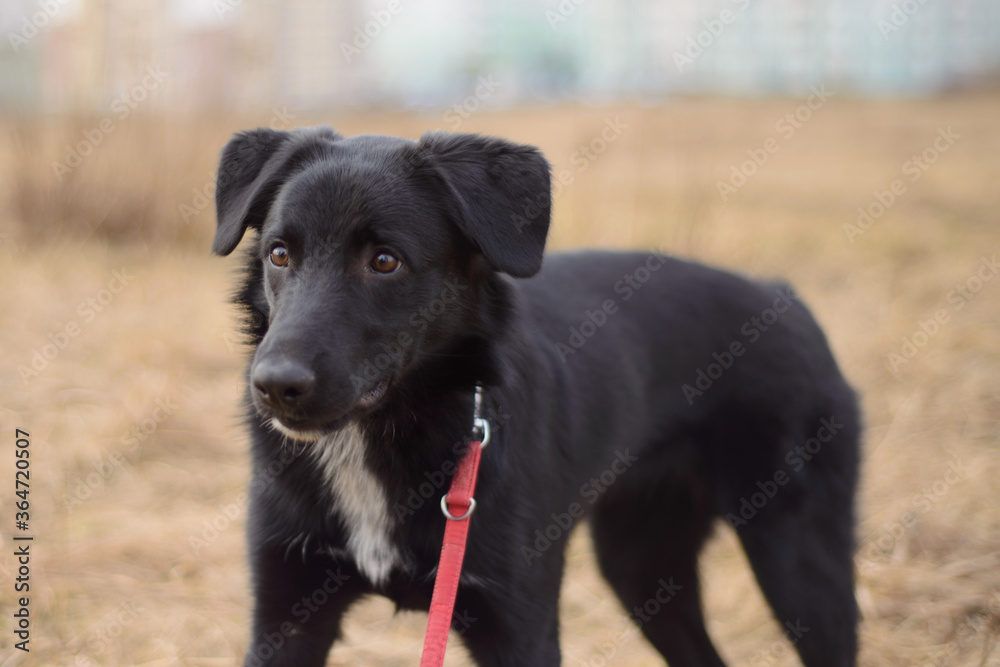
[308, 430]
[292, 430]
[373, 395]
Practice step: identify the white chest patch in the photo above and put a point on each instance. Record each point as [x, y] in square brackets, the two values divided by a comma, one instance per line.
[360, 500]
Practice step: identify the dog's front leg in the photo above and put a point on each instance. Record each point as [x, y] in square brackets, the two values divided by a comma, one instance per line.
[298, 607]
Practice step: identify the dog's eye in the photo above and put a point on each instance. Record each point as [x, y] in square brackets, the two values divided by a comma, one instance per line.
[279, 256]
[385, 263]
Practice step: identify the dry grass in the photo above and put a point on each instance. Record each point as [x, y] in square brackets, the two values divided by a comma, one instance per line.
[117, 579]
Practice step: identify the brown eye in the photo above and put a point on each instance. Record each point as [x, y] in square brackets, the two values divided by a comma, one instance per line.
[385, 263]
[279, 256]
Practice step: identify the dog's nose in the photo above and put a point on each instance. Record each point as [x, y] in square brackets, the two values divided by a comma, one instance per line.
[282, 383]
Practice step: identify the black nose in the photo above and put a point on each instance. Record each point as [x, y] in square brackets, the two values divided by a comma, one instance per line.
[282, 383]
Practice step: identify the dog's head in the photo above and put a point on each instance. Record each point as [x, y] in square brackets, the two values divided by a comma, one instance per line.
[369, 256]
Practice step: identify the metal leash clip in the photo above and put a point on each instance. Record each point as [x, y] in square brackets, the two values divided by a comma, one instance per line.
[480, 425]
[480, 434]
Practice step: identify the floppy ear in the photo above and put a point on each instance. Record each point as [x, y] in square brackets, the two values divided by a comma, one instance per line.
[501, 193]
[253, 166]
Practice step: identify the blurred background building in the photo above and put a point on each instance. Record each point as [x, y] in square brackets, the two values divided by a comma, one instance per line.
[78, 55]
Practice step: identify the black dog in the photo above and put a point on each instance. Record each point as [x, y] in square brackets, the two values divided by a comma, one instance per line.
[651, 394]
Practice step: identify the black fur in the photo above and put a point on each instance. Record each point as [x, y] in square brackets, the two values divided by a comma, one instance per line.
[655, 395]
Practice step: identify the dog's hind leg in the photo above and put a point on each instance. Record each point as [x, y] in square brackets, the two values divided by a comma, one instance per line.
[647, 543]
[801, 550]
[805, 572]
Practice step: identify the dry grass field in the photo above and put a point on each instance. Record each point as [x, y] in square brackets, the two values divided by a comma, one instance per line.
[118, 357]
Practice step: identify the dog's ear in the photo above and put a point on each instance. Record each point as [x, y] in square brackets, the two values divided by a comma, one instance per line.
[501, 193]
[253, 166]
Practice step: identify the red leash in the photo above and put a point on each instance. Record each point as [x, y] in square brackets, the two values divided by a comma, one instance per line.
[457, 506]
